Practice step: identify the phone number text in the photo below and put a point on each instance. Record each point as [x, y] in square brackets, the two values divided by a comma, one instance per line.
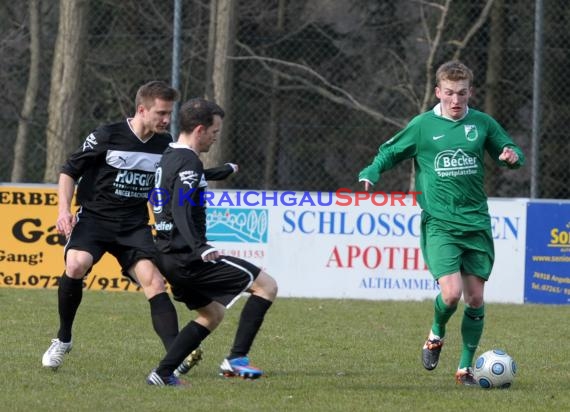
[91, 282]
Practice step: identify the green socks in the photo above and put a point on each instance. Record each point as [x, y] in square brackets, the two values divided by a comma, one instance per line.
[471, 331]
[442, 313]
[471, 327]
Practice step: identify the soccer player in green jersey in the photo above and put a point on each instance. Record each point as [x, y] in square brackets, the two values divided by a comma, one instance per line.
[448, 144]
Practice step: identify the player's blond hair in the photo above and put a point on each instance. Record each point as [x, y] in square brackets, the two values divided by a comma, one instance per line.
[453, 71]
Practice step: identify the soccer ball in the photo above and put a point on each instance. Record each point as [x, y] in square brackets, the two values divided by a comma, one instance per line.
[495, 369]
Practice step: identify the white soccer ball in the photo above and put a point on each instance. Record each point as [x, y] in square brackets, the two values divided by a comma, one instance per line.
[495, 369]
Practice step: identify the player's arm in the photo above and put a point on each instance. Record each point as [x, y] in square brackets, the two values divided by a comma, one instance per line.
[87, 154]
[182, 208]
[400, 147]
[221, 172]
[502, 148]
[78, 162]
[65, 219]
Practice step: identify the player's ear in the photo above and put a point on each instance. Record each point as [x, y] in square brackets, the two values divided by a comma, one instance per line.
[199, 129]
[437, 92]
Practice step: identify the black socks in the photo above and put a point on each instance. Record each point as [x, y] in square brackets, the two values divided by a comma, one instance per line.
[250, 321]
[164, 318]
[69, 295]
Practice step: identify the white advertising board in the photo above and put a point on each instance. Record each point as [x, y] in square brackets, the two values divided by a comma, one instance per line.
[317, 248]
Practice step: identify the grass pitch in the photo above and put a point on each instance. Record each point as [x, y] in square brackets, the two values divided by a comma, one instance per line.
[319, 355]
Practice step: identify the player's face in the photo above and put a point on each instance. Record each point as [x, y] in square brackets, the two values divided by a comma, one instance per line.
[453, 96]
[210, 134]
[157, 117]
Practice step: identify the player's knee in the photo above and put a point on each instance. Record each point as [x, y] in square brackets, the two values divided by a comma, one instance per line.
[266, 286]
[452, 298]
[76, 268]
[152, 284]
[272, 289]
[149, 277]
[474, 301]
[158, 284]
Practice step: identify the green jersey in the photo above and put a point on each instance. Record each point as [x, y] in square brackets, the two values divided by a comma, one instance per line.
[449, 161]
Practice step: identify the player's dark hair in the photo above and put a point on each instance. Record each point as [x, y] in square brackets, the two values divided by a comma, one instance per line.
[453, 71]
[198, 112]
[155, 89]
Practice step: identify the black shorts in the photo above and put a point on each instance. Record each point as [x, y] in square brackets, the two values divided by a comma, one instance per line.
[126, 242]
[198, 283]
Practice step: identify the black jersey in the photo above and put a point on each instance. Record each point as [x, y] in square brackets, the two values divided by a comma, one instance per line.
[181, 216]
[116, 170]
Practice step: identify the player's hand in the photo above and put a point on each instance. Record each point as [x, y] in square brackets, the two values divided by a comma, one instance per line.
[367, 185]
[65, 223]
[509, 156]
[212, 256]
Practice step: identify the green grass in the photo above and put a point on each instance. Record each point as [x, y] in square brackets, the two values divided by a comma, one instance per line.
[319, 355]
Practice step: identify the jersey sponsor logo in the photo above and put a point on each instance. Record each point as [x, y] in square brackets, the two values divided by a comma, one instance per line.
[130, 193]
[126, 160]
[455, 163]
[471, 133]
[164, 226]
[90, 142]
[133, 184]
[438, 137]
[188, 177]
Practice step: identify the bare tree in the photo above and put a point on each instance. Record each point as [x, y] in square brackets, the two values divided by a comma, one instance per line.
[433, 19]
[223, 38]
[18, 167]
[473, 29]
[65, 80]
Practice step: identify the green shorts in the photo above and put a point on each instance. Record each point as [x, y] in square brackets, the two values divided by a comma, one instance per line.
[447, 250]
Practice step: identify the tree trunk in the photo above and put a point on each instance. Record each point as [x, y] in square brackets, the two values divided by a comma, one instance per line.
[211, 50]
[496, 37]
[272, 148]
[492, 80]
[224, 46]
[20, 146]
[65, 81]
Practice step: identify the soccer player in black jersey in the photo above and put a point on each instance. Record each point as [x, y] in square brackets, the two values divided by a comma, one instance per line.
[200, 277]
[114, 168]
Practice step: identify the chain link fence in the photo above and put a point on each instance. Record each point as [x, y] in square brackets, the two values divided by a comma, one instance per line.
[316, 85]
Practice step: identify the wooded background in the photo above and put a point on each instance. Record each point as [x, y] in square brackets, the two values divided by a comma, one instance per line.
[311, 87]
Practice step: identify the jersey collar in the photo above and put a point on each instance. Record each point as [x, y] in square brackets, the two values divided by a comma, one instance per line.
[129, 120]
[437, 112]
[177, 145]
